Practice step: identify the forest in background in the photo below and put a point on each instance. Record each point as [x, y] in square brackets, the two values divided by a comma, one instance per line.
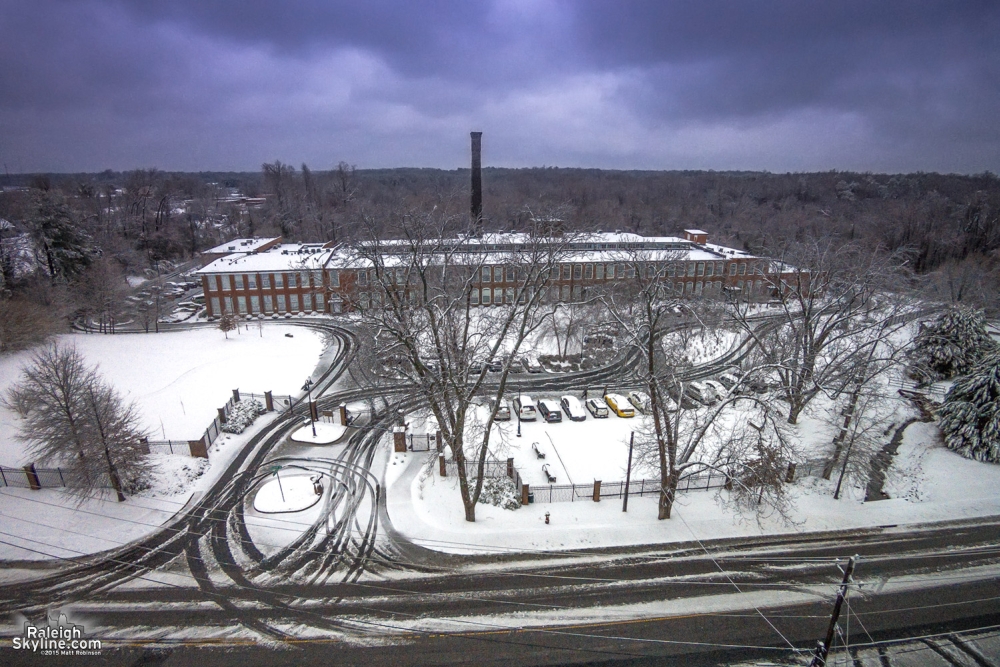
[65, 237]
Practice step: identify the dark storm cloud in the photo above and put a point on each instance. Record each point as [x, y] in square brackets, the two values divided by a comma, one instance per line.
[780, 85]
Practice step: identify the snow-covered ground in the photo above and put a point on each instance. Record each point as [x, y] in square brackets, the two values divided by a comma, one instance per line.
[325, 433]
[293, 493]
[926, 482]
[179, 379]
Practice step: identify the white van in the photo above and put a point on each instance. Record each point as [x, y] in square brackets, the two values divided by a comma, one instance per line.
[525, 407]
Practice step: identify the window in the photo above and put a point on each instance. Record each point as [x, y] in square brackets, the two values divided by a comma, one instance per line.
[611, 271]
[565, 293]
[307, 302]
[670, 287]
[365, 301]
[486, 296]
[252, 281]
[600, 271]
[510, 274]
[293, 302]
[743, 269]
[475, 297]
[268, 305]
[739, 285]
[650, 271]
[303, 279]
[620, 271]
[671, 270]
[509, 295]
[577, 272]
[690, 269]
[708, 269]
[281, 304]
[265, 281]
[223, 282]
[732, 269]
[216, 306]
[228, 305]
[701, 268]
[566, 269]
[362, 277]
[577, 293]
[588, 271]
[486, 278]
[334, 278]
[239, 281]
[630, 271]
[400, 277]
[255, 304]
[697, 288]
[279, 280]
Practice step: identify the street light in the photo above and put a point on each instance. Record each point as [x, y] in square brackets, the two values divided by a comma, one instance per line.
[308, 387]
[519, 412]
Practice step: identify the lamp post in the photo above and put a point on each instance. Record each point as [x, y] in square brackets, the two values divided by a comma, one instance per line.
[628, 471]
[308, 387]
[519, 412]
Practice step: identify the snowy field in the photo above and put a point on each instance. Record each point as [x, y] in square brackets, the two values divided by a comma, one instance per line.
[926, 481]
[179, 379]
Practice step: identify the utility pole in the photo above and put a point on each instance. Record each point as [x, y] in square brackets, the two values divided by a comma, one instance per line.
[823, 648]
[628, 471]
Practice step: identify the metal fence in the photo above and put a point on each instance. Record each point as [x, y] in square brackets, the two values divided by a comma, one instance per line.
[44, 478]
[421, 442]
[491, 469]
[169, 447]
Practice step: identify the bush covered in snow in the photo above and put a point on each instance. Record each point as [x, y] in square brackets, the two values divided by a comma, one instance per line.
[950, 345]
[502, 492]
[242, 415]
[970, 416]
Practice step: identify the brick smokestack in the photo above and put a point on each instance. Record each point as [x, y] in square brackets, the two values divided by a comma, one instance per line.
[477, 181]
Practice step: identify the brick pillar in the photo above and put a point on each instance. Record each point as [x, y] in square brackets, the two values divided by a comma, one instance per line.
[343, 414]
[222, 415]
[144, 445]
[442, 466]
[524, 494]
[236, 395]
[510, 467]
[198, 448]
[268, 401]
[399, 439]
[597, 490]
[33, 481]
[438, 440]
[790, 475]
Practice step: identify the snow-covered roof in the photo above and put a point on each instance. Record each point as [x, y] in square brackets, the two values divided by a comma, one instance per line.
[698, 232]
[284, 257]
[241, 245]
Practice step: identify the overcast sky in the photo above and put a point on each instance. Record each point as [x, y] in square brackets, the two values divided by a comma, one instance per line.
[220, 85]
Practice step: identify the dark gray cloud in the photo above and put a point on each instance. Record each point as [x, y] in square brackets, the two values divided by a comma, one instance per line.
[189, 84]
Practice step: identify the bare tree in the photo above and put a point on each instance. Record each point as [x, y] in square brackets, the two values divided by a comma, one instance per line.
[71, 417]
[420, 297]
[739, 437]
[835, 305]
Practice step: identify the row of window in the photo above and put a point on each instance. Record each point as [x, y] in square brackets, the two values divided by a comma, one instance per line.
[277, 304]
[277, 280]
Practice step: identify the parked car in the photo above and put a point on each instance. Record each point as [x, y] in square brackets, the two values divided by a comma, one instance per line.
[517, 366]
[619, 405]
[640, 400]
[495, 365]
[549, 410]
[717, 387]
[503, 411]
[573, 408]
[532, 366]
[525, 408]
[701, 393]
[729, 381]
[598, 409]
[475, 368]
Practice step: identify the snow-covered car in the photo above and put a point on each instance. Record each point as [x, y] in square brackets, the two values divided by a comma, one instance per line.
[525, 408]
[717, 387]
[549, 410]
[728, 380]
[573, 408]
[495, 365]
[640, 400]
[503, 411]
[532, 366]
[701, 393]
[598, 409]
[476, 367]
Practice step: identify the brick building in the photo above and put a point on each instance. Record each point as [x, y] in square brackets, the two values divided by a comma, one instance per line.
[280, 279]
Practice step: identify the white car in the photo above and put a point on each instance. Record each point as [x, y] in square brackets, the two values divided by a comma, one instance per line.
[573, 408]
[641, 401]
[720, 391]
